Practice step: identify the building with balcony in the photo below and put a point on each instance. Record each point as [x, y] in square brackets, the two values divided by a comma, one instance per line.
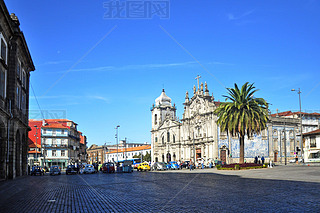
[312, 146]
[15, 67]
[83, 148]
[95, 154]
[60, 143]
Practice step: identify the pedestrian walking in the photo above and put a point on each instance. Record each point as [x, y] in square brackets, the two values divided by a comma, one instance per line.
[262, 160]
[216, 162]
[256, 160]
[202, 164]
[259, 162]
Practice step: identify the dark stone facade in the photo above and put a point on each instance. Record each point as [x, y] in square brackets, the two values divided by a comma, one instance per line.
[15, 67]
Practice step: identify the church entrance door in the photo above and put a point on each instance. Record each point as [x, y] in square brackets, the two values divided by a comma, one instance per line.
[223, 156]
[198, 153]
[168, 157]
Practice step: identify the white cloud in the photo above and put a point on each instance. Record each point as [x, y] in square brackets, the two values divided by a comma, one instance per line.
[232, 17]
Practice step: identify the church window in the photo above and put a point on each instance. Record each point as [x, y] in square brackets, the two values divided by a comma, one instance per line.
[168, 137]
[162, 139]
[155, 119]
[173, 139]
[156, 139]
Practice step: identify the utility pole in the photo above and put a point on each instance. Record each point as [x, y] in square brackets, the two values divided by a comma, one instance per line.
[194, 151]
[285, 144]
[117, 141]
[280, 134]
[125, 147]
[300, 113]
[36, 141]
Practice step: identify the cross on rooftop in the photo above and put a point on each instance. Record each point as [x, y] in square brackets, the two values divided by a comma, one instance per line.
[197, 78]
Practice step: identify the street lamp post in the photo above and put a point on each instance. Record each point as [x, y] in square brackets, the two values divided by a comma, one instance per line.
[36, 141]
[117, 127]
[300, 113]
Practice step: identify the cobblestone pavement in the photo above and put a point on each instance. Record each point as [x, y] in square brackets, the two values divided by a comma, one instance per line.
[203, 191]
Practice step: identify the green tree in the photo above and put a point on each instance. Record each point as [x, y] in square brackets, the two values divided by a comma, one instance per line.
[147, 157]
[137, 156]
[244, 115]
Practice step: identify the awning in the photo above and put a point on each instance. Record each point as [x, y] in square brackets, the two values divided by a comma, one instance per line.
[314, 151]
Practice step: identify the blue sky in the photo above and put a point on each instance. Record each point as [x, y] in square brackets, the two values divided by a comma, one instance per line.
[104, 72]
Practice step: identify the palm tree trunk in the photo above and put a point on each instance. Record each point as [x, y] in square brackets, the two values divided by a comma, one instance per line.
[241, 149]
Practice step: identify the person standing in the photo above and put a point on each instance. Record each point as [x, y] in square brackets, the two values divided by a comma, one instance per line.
[202, 164]
[262, 160]
[216, 162]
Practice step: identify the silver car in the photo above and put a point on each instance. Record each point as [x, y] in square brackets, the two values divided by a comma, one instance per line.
[160, 166]
[89, 169]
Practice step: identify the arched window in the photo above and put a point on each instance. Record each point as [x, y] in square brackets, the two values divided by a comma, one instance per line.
[156, 139]
[173, 139]
[168, 136]
[162, 139]
[155, 119]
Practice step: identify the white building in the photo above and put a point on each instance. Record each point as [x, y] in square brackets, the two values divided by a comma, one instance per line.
[127, 153]
[312, 146]
[196, 136]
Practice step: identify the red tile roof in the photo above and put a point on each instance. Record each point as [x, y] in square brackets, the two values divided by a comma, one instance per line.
[315, 132]
[289, 113]
[56, 126]
[138, 148]
[286, 113]
[33, 152]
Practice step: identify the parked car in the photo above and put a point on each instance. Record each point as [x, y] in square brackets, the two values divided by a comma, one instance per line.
[160, 166]
[89, 169]
[127, 166]
[144, 167]
[185, 164]
[174, 165]
[72, 169]
[37, 170]
[108, 167]
[55, 170]
[168, 165]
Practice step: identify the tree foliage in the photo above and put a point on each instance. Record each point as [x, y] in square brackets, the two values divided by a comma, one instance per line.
[242, 114]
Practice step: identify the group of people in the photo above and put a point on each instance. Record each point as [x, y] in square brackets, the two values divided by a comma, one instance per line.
[258, 161]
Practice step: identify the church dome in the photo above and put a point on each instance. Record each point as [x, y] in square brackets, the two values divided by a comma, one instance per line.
[163, 100]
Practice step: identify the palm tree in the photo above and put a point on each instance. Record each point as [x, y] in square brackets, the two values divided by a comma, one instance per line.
[244, 115]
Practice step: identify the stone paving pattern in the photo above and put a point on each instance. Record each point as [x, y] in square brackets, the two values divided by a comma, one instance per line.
[205, 190]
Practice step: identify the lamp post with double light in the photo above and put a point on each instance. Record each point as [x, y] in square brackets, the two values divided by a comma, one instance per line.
[300, 113]
[117, 127]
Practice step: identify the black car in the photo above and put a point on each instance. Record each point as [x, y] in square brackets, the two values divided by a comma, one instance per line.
[72, 169]
[37, 170]
[185, 164]
[55, 170]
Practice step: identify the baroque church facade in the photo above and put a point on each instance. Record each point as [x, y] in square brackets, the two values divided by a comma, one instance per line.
[194, 136]
[197, 134]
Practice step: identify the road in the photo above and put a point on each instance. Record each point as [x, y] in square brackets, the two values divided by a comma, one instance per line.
[206, 190]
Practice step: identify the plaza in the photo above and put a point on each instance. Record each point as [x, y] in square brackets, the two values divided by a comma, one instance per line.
[280, 189]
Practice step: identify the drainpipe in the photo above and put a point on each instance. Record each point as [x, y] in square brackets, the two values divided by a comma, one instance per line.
[8, 138]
